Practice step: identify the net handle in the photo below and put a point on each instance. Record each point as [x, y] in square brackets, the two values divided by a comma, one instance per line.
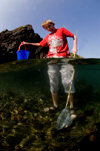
[20, 47]
[70, 88]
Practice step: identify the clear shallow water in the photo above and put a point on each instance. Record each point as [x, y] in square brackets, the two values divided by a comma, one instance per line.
[30, 75]
[88, 75]
[24, 92]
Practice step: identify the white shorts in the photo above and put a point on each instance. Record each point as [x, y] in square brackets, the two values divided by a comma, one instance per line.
[61, 72]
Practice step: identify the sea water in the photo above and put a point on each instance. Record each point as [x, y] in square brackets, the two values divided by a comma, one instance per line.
[25, 92]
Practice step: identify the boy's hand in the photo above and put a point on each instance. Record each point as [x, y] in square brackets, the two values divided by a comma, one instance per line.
[74, 55]
[23, 43]
[74, 52]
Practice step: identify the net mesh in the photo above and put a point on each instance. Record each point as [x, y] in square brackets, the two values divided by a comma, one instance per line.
[64, 119]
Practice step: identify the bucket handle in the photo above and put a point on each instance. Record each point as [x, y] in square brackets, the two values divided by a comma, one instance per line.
[20, 47]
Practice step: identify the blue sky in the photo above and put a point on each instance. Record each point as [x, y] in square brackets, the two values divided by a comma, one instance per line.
[82, 16]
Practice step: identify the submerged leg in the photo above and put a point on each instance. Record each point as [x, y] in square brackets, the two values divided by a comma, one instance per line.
[71, 101]
[55, 99]
[54, 107]
[72, 112]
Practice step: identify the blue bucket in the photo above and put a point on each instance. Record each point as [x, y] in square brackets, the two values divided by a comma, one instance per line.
[22, 54]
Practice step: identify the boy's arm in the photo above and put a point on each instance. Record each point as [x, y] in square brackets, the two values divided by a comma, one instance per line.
[74, 50]
[42, 43]
[27, 43]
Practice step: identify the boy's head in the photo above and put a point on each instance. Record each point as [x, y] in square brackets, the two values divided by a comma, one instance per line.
[47, 23]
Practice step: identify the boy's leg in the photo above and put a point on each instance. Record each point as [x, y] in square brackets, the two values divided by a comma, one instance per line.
[72, 112]
[55, 102]
[66, 75]
[71, 101]
[55, 99]
[53, 73]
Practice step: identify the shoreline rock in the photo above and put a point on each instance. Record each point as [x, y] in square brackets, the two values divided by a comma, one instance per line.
[10, 41]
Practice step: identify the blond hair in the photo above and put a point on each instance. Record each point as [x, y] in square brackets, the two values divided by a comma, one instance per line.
[46, 22]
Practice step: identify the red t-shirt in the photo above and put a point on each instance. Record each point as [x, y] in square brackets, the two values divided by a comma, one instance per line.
[57, 42]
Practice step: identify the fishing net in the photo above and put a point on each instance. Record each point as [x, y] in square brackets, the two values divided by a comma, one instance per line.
[64, 119]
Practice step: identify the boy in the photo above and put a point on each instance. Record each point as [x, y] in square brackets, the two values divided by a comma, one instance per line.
[58, 48]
